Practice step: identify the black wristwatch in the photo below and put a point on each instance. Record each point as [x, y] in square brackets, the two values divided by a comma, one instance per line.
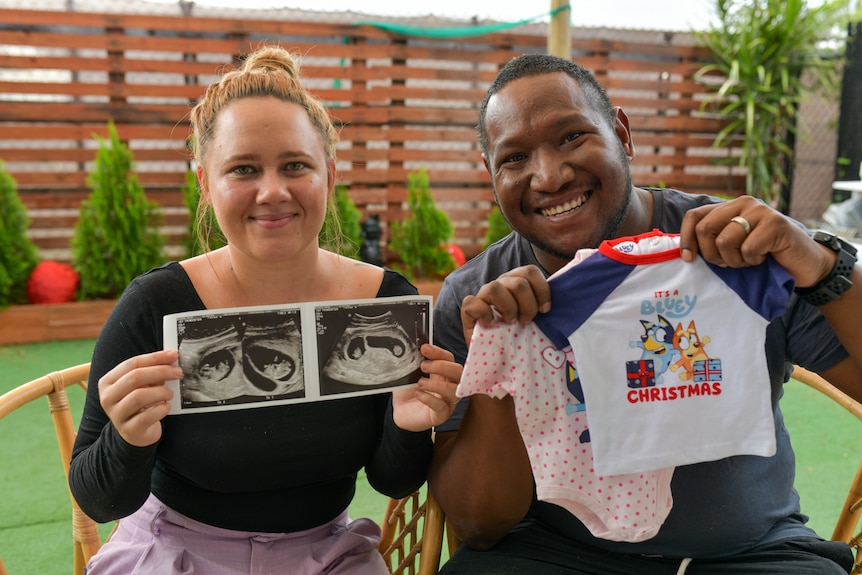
[838, 280]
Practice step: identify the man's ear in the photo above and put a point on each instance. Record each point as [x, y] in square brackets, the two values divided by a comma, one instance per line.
[624, 132]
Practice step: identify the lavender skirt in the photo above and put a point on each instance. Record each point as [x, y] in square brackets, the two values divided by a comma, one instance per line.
[156, 540]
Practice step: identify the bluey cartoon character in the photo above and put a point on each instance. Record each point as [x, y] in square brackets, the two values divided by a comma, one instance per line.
[691, 349]
[559, 361]
[657, 345]
[573, 383]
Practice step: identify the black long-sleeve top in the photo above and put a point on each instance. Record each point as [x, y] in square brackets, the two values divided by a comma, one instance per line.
[272, 469]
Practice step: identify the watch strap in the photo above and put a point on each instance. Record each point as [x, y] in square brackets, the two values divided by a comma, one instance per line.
[838, 281]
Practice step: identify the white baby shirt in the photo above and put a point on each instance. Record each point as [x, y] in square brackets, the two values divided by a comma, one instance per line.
[670, 354]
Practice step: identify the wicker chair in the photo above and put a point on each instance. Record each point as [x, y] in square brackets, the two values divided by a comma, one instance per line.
[847, 526]
[85, 533]
[412, 540]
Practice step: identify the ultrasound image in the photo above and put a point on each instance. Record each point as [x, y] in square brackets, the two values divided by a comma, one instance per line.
[240, 357]
[373, 351]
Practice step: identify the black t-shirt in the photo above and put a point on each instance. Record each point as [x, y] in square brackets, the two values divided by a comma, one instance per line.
[271, 469]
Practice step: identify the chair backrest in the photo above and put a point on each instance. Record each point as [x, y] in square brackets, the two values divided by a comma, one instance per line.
[85, 533]
[847, 526]
[412, 539]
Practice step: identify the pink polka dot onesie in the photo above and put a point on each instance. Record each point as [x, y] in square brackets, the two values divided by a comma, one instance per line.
[518, 360]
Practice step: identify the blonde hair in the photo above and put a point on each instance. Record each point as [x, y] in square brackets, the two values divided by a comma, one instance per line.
[269, 71]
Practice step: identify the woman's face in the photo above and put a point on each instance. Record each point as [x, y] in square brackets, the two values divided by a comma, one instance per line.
[267, 177]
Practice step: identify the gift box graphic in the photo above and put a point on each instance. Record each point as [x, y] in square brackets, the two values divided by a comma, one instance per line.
[640, 373]
[706, 370]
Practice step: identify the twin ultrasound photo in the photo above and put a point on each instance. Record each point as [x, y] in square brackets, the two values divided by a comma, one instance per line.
[256, 356]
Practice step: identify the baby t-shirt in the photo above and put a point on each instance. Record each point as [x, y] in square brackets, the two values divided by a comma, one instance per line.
[670, 354]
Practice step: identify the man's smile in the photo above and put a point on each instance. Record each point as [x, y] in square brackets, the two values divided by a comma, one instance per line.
[568, 206]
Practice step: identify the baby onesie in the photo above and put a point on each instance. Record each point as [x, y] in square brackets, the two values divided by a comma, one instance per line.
[670, 354]
[518, 360]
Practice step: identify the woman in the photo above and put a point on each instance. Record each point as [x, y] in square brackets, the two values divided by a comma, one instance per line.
[262, 490]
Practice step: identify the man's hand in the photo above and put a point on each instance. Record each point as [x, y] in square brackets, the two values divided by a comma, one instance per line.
[517, 295]
[742, 232]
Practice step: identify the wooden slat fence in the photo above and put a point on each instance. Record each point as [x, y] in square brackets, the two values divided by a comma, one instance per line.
[401, 102]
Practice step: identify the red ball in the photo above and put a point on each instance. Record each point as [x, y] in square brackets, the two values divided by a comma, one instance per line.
[52, 282]
[457, 254]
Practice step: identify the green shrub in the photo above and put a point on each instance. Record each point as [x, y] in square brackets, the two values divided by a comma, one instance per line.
[342, 231]
[116, 236]
[498, 227]
[203, 226]
[19, 254]
[421, 239]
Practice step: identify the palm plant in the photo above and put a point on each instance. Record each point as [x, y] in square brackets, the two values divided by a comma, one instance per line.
[770, 54]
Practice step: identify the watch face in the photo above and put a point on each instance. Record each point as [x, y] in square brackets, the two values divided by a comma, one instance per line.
[833, 242]
[825, 238]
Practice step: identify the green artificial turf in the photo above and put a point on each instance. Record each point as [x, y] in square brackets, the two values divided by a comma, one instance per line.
[34, 508]
[35, 517]
[825, 438]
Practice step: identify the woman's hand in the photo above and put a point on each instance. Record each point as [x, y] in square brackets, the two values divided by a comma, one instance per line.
[432, 401]
[135, 398]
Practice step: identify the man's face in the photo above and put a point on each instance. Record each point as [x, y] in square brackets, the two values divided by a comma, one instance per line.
[560, 170]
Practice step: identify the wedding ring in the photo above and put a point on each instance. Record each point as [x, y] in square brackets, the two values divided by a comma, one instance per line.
[742, 222]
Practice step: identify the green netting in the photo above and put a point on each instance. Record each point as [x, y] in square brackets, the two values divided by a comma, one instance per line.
[459, 32]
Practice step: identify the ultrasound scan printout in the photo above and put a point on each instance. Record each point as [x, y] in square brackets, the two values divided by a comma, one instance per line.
[240, 358]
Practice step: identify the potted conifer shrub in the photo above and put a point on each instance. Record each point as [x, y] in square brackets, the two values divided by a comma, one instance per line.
[20, 265]
[498, 227]
[421, 240]
[116, 236]
[19, 254]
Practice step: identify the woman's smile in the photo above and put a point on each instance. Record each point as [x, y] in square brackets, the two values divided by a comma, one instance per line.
[274, 221]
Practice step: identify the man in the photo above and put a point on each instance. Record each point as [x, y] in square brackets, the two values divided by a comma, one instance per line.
[558, 154]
